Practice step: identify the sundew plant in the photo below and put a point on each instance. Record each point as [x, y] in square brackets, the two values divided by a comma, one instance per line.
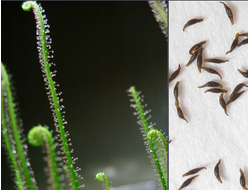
[61, 169]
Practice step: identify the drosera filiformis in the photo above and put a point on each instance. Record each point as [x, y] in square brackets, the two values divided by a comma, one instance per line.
[101, 177]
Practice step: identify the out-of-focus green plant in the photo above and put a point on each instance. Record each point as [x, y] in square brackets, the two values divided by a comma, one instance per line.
[156, 144]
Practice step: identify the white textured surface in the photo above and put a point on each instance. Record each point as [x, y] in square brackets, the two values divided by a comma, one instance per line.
[210, 134]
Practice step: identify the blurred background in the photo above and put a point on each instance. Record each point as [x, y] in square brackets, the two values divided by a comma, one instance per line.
[101, 49]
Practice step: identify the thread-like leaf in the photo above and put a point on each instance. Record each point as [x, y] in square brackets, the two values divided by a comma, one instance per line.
[159, 8]
[13, 137]
[40, 135]
[162, 149]
[45, 55]
[145, 127]
[101, 177]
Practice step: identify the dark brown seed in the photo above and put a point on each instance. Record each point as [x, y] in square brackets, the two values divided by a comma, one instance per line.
[176, 91]
[223, 103]
[211, 84]
[169, 141]
[199, 60]
[196, 47]
[212, 71]
[180, 113]
[217, 171]
[216, 90]
[244, 34]
[229, 13]
[244, 73]
[193, 171]
[176, 103]
[245, 41]
[192, 58]
[235, 97]
[234, 44]
[175, 74]
[187, 182]
[214, 60]
[237, 89]
[242, 180]
[191, 22]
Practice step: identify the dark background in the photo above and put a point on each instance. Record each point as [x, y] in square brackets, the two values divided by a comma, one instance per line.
[101, 49]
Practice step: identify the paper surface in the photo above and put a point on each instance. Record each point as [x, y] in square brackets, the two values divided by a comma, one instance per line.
[210, 134]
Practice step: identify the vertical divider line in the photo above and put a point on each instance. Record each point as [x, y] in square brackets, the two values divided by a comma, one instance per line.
[168, 5]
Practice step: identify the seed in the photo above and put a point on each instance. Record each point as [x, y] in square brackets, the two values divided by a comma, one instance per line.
[244, 34]
[179, 111]
[212, 71]
[242, 180]
[237, 89]
[199, 60]
[175, 74]
[223, 103]
[217, 171]
[193, 171]
[187, 182]
[196, 47]
[214, 60]
[229, 13]
[244, 73]
[211, 84]
[191, 22]
[245, 41]
[192, 58]
[234, 44]
[235, 97]
[216, 90]
[176, 91]
[176, 103]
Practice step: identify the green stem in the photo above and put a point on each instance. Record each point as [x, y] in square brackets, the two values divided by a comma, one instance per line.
[101, 177]
[159, 8]
[36, 137]
[162, 13]
[13, 122]
[139, 108]
[53, 98]
[157, 136]
[7, 143]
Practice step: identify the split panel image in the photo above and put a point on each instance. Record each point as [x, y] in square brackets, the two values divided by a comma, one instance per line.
[152, 95]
